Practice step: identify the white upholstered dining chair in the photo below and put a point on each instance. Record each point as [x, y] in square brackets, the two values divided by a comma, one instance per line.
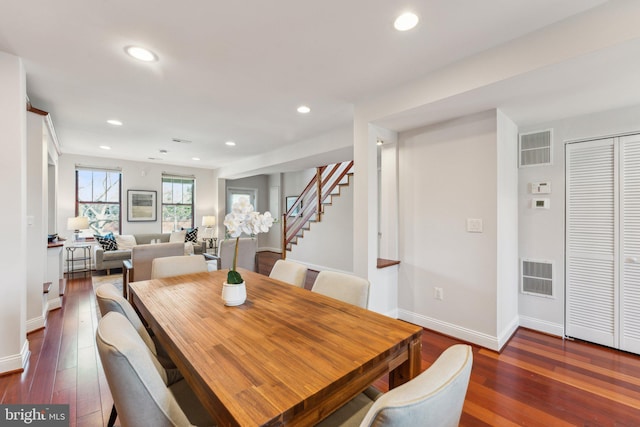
[138, 382]
[289, 272]
[345, 287]
[433, 398]
[177, 266]
[110, 300]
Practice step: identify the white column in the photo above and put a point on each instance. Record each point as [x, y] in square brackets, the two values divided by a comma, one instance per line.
[13, 255]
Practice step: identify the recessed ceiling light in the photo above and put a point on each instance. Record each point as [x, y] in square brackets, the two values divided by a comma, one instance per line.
[406, 21]
[303, 109]
[114, 122]
[163, 151]
[105, 147]
[141, 53]
[195, 158]
[230, 143]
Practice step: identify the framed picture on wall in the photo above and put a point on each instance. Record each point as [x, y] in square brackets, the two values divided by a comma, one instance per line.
[141, 205]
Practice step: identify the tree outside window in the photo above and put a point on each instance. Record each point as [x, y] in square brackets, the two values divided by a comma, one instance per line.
[98, 198]
[177, 203]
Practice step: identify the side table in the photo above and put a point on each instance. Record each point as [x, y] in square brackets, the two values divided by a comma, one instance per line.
[78, 259]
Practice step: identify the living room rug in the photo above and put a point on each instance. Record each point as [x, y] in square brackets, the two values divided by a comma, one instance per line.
[114, 279]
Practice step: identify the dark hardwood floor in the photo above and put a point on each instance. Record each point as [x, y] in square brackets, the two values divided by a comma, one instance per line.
[537, 380]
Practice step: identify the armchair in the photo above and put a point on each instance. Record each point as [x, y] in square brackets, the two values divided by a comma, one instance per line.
[247, 249]
[139, 268]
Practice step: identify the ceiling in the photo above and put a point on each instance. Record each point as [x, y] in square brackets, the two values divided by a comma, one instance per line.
[238, 70]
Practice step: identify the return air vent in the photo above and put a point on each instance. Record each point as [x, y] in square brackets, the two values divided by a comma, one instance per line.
[537, 277]
[535, 148]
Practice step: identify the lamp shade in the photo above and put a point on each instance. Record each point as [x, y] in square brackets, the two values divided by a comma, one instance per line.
[208, 221]
[78, 223]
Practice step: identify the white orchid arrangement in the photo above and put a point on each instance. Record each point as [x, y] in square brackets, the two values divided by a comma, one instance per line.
[244, 219]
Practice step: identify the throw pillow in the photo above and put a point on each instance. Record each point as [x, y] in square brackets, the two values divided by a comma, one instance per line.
[177, 236]
[191, 236]
[107, 243]
[125, 241]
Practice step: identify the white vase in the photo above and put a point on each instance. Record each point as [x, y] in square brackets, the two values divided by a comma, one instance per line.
[234, 294]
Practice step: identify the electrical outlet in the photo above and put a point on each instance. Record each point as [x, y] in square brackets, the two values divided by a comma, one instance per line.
[438, 293]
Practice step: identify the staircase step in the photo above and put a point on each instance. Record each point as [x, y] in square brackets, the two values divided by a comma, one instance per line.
[330, 178]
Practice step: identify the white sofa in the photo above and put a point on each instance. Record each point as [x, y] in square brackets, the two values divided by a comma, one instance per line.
[106, 260]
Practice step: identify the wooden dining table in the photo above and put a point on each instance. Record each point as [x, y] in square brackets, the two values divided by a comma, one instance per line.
[287, 356]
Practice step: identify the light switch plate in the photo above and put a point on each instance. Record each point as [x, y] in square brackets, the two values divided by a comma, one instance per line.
[474, 225]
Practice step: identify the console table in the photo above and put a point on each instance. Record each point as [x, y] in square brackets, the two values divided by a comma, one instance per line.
[78, 259]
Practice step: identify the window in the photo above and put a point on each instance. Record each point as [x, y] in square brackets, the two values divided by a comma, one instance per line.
[235, 194]
[177, 203]
[98, 198]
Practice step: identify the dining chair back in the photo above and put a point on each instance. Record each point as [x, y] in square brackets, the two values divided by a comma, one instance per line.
[135, 379]
[177, 266]
[110, 299]
[142, 257]
[345, 287]
[433, 398]
[289, 272]
[247, 248]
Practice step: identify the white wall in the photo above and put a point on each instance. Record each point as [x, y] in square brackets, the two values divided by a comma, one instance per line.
[331, 147]
[294, 183]
[388, 194]
[507, 228]
[447, 174]
[135, 176]
[273, 239]
[260, 183]
[541, 232]
[37, 208]
[13, 252]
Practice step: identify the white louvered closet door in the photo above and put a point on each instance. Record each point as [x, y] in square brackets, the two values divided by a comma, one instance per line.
[591, 242]
[630, 244]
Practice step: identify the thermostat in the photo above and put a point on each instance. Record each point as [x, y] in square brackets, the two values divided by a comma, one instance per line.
[540, 203]
[543, 187]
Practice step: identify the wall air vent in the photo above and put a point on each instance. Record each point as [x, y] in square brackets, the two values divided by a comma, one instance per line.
[536, 277]
[535, 148]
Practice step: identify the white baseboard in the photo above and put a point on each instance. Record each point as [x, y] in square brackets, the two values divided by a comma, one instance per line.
[464, 334]
[35, 323]
[508, 332]
[15, 362]
[542, 326]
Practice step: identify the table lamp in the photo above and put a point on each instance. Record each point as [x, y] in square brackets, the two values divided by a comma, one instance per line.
[209, 222]
[76, 224]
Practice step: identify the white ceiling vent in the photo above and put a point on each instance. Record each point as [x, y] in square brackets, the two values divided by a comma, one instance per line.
[536, 277]
[535, 148]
